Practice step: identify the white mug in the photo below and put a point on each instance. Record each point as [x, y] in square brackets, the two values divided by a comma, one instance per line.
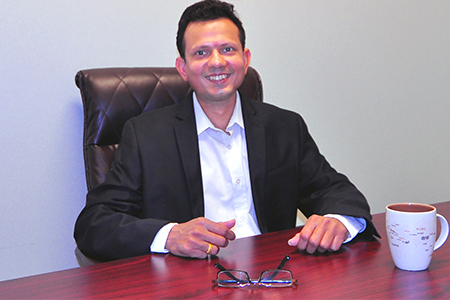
[411, 231]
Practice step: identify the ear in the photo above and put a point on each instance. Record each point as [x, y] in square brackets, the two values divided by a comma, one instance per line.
[180, 64]
[247, 58]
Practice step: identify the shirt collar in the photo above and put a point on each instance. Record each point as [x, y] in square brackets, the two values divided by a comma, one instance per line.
[203, 122]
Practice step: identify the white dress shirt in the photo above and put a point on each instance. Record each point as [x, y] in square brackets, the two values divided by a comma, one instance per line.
[225, 172]
[226, 179]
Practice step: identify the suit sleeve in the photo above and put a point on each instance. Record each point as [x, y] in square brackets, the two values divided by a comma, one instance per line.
[110, 227]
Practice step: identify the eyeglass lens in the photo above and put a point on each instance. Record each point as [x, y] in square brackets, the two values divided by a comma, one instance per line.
[233, 278]
[276, 278]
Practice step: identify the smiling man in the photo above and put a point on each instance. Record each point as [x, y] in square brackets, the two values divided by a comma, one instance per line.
[190, 178]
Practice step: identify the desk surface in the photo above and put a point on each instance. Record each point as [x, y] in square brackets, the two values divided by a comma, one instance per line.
[359, 270]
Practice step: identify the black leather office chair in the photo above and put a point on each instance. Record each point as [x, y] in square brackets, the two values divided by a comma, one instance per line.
[111, 96]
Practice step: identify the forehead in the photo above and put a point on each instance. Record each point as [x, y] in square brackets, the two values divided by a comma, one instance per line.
[214, 32]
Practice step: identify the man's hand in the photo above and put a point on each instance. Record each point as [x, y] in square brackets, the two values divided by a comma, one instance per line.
[193, 238]
[321, 234]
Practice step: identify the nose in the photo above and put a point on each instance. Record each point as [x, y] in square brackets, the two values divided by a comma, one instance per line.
[216, 59]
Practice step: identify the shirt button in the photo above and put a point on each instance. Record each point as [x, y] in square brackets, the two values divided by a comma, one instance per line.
[229, 147]
[238, 181]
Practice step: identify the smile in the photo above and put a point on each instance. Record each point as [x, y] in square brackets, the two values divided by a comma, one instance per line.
[217, 77]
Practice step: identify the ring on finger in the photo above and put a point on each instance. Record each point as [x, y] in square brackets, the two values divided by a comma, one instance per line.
[209, 248]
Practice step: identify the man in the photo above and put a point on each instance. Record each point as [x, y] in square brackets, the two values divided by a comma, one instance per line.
[189, 178]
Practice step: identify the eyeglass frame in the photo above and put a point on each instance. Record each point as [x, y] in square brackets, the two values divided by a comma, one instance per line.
[250, 281]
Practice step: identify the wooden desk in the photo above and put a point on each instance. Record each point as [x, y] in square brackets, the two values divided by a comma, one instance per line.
[360, 270]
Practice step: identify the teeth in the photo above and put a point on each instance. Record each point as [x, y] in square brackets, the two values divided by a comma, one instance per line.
[217, 77]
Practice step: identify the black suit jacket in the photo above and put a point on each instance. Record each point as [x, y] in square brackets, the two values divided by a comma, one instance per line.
[156, 179]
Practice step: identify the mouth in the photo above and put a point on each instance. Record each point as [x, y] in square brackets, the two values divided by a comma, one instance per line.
[218, 77]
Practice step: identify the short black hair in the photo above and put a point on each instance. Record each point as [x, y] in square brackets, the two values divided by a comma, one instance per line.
[207, 10]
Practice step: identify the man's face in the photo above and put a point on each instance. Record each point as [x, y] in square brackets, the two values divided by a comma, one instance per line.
[215, 63]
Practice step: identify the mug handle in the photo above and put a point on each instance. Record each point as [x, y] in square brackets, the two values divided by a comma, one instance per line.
[444, 232]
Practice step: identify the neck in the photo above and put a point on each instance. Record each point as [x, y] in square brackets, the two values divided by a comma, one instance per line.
[219, 113]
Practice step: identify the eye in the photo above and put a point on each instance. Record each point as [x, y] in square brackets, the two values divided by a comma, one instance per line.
[228, 49]
[200, 52]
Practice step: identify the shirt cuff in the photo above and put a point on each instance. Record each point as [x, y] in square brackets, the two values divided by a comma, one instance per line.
[159, 242]
[354, 225]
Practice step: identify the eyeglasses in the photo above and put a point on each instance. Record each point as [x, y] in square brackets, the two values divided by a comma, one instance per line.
[270, 278]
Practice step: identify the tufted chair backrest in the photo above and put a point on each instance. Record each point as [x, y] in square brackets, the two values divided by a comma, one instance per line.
[111, 96]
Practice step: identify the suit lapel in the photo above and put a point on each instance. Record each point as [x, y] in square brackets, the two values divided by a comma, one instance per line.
[186, 135]
[256, 148]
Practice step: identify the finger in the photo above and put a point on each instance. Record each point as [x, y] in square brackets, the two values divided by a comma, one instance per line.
[315, 240]
[305, 235]
[203, 250]
[338, 236]
[337, 243]
[210, 246]
[229, 224]
[197, 254]
[326, 242]
[294, 240]
[321, 250]
[222, 229]
[212, 249]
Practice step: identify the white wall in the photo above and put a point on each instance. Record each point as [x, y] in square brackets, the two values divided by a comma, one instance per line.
[371, 78]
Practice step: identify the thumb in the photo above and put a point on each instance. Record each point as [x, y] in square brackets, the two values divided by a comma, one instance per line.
[294, 241]
[229, 224]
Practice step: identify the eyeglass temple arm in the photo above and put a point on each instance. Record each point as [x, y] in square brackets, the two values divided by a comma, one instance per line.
[283, 262]
[221, 268]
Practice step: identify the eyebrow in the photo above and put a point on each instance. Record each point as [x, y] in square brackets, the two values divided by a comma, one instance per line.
[212, 45]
